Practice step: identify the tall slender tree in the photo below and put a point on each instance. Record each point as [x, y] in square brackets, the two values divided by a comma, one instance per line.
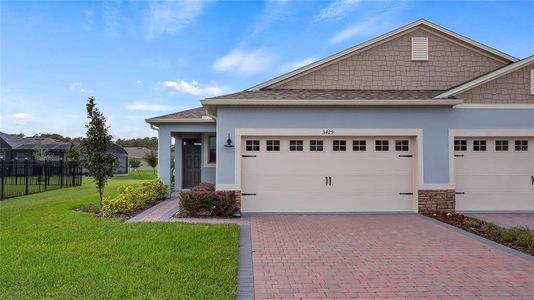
[151, 158]
[96, 148]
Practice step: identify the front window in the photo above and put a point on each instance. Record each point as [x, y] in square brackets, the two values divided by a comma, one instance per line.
[212, 149]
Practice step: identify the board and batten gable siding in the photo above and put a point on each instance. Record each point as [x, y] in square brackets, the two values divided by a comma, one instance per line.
[389, 66]
[510, 88]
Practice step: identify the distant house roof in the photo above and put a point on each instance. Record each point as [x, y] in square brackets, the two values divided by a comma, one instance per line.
[29, 143]
[309, 94]
[137, 152]
[118, 150]
[198, 114]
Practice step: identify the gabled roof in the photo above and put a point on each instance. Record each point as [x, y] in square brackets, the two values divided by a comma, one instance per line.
[137, 152]
[29, 143]
[486, 78]
[377, 41]
[198, 114]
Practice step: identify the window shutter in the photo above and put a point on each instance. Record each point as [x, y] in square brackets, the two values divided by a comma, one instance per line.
[532, 82]
[419, 48]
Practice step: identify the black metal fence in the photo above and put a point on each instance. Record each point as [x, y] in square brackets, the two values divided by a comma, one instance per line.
[24, 177]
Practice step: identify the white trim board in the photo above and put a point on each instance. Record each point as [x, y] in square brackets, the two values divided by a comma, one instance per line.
[494, 106]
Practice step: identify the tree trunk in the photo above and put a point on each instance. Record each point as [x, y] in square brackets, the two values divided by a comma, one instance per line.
[100, 206]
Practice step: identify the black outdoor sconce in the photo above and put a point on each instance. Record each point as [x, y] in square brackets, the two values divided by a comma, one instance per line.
[229, 142]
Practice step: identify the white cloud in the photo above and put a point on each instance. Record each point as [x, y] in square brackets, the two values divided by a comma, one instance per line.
[193, 88]
[377, 21]
[147, 106]
[77, 86]
[138, 82]
[20, 118]
[337, 10]
[245, 63]
[170, 17]
[112, 17]
[275, 10]
[293, 65]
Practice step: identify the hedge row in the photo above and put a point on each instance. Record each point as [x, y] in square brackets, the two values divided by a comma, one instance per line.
[133, 197]
[204, 201]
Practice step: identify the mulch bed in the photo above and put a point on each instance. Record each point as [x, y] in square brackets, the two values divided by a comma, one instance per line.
[481, 228]
[93, 208]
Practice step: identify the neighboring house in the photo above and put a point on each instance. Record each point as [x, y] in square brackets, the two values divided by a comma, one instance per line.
[15, 147]
[138, 153]
[418, 119]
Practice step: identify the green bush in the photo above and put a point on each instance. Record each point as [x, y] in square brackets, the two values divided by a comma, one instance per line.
[204, 201]
[521, 236]
[133, 197]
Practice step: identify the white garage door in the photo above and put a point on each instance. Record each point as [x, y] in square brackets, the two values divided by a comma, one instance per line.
[318, 174]
[494, 174]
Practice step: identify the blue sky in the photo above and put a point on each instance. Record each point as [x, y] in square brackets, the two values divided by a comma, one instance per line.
[141, 59]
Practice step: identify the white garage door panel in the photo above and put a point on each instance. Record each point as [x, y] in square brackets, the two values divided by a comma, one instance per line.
[495, 180]
[296, 181]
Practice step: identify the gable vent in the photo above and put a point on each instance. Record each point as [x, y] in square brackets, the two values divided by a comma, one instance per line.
[532, 82]
[419, 48]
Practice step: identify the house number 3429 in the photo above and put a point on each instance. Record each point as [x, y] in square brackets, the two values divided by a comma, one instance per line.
[328, 131]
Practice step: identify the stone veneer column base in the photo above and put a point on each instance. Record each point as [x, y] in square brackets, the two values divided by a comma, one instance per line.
[436, 201]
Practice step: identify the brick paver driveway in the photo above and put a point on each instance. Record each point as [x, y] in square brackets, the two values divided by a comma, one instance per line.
[379, 256]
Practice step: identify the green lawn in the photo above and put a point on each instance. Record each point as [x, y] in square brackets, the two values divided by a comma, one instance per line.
[47, 250]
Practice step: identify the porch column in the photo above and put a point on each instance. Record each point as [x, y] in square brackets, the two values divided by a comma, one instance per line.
[164, 158]
[178, 163]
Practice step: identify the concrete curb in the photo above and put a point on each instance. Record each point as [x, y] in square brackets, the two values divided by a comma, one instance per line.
[245, 273]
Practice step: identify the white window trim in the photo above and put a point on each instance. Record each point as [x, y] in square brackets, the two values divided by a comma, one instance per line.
[206, 151]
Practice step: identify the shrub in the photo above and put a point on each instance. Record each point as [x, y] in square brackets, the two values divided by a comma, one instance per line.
[133, 197]
[204, 201]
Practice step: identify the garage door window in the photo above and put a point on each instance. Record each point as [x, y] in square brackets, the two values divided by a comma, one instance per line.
[501, 145]
[359, 145]
[339, 145]
[316, 145]
[460, 145]
[382, 145]
[253, 145]
[479, 145]
[521, 145]
[296, 145]
[273, 145]
[401, 145]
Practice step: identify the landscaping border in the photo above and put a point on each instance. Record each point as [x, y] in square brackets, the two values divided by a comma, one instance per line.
[481, 239]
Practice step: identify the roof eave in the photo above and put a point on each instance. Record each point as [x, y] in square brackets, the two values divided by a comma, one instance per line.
[162, 121]
[377, 102]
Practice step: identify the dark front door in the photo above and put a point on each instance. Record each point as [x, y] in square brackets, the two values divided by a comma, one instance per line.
[191, 162]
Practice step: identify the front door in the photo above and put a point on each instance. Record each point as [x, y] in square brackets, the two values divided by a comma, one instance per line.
[191, 162]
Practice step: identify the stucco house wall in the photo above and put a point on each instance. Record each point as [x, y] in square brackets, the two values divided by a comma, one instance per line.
[435, 122]
[389, 67]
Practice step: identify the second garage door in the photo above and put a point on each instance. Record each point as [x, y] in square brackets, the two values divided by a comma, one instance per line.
[335, 174]
[494, 174]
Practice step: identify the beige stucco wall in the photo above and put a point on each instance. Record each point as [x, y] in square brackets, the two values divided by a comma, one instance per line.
[389, 66]
[510, 88]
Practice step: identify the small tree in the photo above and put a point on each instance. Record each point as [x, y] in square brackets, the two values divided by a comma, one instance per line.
[96, 148]
[151, 158]
[40, 152]
[72, 153]
[134, 163]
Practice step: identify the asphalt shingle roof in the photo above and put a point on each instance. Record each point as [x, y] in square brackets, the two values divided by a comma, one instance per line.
[195, 113]
[307, 94]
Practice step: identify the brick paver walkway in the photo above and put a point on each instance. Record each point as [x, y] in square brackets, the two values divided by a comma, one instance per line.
[506, 220]
[379, 256]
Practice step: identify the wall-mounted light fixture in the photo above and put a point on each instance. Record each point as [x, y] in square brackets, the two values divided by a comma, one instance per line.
[229, 142]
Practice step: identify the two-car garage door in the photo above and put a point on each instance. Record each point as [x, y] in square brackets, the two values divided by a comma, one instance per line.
[494, 174]
[327, 174]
